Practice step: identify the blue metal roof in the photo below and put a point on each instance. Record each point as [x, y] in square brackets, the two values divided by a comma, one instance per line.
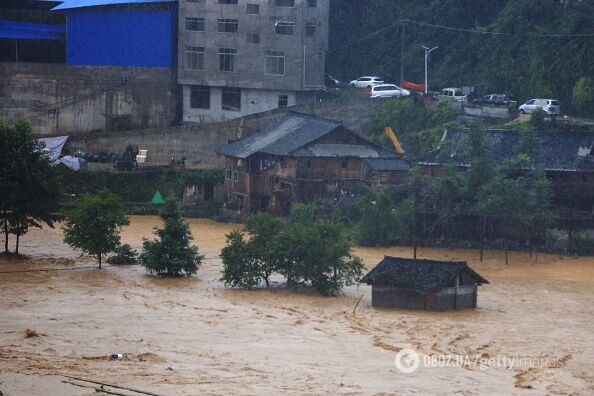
[70, 4]
[31, 31]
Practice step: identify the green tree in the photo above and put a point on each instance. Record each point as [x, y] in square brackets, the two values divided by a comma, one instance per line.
[28, 183]
[171, 254]
[583, 96]
[94, 226]
[537, 118]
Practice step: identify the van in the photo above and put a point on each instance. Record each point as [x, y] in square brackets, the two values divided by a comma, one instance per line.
[452, 94]
[550, 106]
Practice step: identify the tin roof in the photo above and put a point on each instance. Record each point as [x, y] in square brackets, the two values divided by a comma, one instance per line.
[31, 31]
[424, 275]
[71, 4]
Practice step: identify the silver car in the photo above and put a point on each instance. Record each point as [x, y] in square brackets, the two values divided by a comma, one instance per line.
[388, 91]
[550, 106]
[366, 82]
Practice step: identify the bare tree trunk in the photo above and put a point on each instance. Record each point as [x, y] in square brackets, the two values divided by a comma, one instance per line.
[5, 231]
[506, 252]
[16, 248]
[99, 257]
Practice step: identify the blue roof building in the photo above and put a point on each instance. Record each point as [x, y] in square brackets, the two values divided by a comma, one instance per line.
[138, 33]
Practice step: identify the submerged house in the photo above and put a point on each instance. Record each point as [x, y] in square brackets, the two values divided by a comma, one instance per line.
[423, 284]
[305, 158]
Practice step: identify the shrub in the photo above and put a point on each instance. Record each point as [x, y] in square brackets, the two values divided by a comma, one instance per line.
[124, 255]
[171, 254]
[537, 118]
[582, 245]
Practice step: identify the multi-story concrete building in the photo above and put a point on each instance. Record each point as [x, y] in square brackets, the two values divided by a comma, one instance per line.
[239, 57]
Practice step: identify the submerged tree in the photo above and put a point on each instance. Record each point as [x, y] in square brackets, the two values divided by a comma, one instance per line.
[171, 254]
[28, 183]
[94, 226]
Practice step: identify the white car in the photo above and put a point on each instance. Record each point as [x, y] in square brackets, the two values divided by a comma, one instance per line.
[388, 91]
[550, 106]
[452, 94]
[366, 82]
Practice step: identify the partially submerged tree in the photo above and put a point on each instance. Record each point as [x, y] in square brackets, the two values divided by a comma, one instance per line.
[29, 185]
[94, 226]
[171, 254]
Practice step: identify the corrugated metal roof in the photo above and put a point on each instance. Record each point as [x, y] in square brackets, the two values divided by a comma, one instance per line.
[292, 133]
[559, 151]
[338, 150]
[70, 4]
[31, 31]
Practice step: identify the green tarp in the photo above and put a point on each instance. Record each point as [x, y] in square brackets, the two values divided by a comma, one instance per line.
[157, 198]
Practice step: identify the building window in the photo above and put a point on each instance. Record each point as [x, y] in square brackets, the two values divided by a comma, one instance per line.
[231, 99]
[310, 29]
[194, 58]
[344, 163]
[275, 63]
[195, 24]
[284, 28]
[228, 174]
[227, 1]
[253, 38]
[200, 97]
[284, 3]
[196, 1]
[283, 100]
[227, 59]
[312, 3]
[235, 176]
[253, 9]
[228, 25]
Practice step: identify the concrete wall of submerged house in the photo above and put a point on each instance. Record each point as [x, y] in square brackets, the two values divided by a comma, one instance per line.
[64, 99]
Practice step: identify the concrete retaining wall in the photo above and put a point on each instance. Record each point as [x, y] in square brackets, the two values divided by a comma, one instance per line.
[64, 99]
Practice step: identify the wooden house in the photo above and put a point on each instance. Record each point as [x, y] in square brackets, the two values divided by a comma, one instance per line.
[305, 158]
[423, 284]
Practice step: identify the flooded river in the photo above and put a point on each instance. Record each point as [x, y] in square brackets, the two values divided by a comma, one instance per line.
[192, 336]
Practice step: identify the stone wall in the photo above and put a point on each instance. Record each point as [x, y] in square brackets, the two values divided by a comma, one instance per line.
[64, 99]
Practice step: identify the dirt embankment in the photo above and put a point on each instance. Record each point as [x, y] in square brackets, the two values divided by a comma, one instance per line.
[193, 336]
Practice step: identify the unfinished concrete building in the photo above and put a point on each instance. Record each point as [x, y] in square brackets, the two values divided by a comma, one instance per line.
[239, 57]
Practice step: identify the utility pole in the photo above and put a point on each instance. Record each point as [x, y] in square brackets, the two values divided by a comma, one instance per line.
[402, 53]
[427, 52]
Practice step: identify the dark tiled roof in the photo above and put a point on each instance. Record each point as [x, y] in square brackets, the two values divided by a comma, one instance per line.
[425, 275]
[293, 132]
[296, 135]
[387, 164]
[564, 151]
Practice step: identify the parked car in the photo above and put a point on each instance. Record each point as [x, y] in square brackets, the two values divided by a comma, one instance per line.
[452, 94]
[494, 100]
[550, 106]
[366, 82]
[332, 83]
[387, 91]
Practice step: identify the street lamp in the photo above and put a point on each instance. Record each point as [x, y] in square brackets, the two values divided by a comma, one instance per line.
[427, 52]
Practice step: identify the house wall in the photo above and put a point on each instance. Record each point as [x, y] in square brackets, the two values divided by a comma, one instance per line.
[447, 299]
[109, 36]
[65, 99]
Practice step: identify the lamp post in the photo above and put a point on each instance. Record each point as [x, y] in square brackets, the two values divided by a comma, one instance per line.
[427, 52]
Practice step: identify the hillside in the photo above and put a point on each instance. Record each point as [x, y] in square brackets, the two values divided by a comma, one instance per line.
[527, 48]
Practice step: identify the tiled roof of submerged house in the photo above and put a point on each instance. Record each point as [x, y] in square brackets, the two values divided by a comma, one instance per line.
[564, 151]
[297, 135]
[425, 275]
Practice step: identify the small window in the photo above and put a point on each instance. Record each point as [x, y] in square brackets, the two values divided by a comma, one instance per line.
[231, 99]
[227, 1]
[227, 25]
[312, 3]
[194, 58]
[344, 164]
[283, 101]
[227, 59]
[275, 63]
[310, 29]
[200, 97]
[253, 38]
[195, 24]
[263, 164]
[235, 176]
[284, 28]
[284, 3]
[228, 174]
[253, 9]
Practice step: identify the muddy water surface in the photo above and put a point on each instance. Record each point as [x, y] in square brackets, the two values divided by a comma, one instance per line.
[193, 336]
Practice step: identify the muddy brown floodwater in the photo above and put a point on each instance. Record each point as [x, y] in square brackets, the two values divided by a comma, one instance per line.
[192, 336]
